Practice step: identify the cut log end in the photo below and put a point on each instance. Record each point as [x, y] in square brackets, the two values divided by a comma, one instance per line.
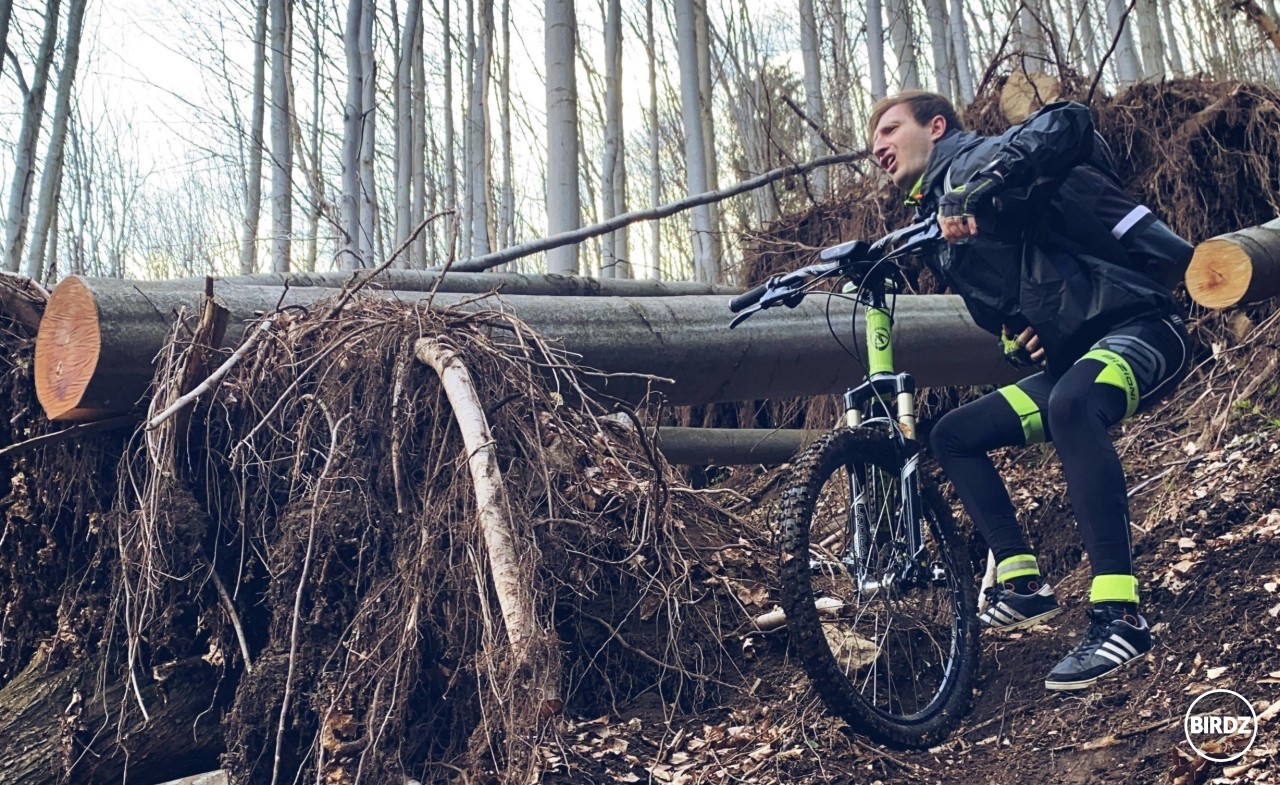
[1219, 274]
[67, 352]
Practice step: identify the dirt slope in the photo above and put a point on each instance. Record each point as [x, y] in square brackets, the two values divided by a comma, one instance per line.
[1205, 502]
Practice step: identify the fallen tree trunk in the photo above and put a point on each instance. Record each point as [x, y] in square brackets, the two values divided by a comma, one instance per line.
[1236, 268]
[98, 337]
[732, 446]
[56, 726]
[549, 285]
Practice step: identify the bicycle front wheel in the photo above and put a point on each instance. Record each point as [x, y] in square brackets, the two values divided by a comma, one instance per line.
[888, 637]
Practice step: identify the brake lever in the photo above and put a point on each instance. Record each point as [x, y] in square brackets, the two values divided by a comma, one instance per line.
[742, 317]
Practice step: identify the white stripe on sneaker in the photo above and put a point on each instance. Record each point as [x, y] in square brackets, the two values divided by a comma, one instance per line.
[1111, 648]
[1109, 655]
[1125, 645]
[1011, 612]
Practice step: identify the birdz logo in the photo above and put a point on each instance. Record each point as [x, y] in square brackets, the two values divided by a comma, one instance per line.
[1220, 726]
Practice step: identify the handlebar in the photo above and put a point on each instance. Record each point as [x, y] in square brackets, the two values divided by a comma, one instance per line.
[855, 259]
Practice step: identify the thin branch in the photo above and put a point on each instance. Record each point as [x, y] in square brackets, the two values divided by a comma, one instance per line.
[68, 434]
[1115, 41]
[263, 328]
[480, 263]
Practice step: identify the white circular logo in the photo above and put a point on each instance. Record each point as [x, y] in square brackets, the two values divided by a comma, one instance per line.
[1220, 716]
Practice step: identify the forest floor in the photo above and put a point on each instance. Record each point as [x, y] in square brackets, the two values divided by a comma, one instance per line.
[1206, 534]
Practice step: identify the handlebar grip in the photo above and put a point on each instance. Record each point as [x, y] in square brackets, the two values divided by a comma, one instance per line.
[748, 298]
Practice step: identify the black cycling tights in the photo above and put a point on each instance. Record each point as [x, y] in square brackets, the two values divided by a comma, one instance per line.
[1079, 411]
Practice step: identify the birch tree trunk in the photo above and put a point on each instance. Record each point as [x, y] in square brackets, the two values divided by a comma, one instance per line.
[705, 266]
[875, 49]
[418, 140]
[564, 212]
[28, 140]
[253, 177]
[450, 133]
[281, 139]
[350, 205]
[903, 36]
[6, 15]
[613, 177]
[935, 12]
[1171, 39]
[317, 176]
[1128, 69]
[368, 131]
[655, 144]
[960, 47]
[507, 212]
[706, 96]
[478, 167]
[1151, 39]
[405, 127]
[811, 50]
[51, 177]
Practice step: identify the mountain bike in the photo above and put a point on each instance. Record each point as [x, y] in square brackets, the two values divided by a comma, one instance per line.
[879, 601]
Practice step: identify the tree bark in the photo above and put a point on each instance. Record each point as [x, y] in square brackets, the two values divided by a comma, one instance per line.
[549, 285]
[28, 140]
[507, 210]
[51, 177]
[281, 139]
[1150, 38]
[6, 16]
[351, 202]
[56, 726]
[404, 126]
[903, 36]
[564, 211]
[935, 12]
[814, 106]
[253, 177]
[1236, 268]
[875, 49]
[479, 161]
[960, 45]
[98, 337]
[731, 446]
[705, 264]
[655, 144]
[1128, 69]
[368, 131]
[613, 176]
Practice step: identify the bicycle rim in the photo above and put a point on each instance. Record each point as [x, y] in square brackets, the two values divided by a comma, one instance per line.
[878, 646]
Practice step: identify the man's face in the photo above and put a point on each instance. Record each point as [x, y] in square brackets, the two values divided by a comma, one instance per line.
[902, 146]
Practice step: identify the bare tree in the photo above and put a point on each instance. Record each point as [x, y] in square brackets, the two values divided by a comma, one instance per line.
[655, 143]
[51, 177]
[1151, 39]
[6, 15]
[935, 12]
[478, 155]
[875, 49]
[253, 173]
[405, 126]
[960, 49]
[705, 264]
[507, 211]
[28, 140]
[351, 127]
[903, 36]
[1128, 69]
[564, 212]
[281, 138]
[613, 177]
[811, 51]
[368, 129]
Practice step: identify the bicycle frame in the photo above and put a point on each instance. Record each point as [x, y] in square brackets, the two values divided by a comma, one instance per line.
[883, 386]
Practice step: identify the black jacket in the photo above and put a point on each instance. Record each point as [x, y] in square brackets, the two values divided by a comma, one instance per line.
[1067, 250]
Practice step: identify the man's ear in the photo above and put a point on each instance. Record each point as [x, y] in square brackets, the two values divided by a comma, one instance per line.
[937, 127]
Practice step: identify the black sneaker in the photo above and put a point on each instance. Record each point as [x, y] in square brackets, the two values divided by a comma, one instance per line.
[1008, 610]
[1113, 641]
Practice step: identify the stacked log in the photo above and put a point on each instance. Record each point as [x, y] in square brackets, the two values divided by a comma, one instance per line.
[1236, 268]
[99, 336]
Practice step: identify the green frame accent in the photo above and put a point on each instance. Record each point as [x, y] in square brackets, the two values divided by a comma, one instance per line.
[879, 341]
[1117, 373]
[1027, 411]
[1114, 588]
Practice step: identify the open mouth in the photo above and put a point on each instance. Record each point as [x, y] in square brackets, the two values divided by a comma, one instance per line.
[890, 163]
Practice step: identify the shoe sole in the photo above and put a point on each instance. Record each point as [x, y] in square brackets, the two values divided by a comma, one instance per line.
[1025, 623]
[1072, 686]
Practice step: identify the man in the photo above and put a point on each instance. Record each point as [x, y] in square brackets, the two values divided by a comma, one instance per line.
[1051, 254]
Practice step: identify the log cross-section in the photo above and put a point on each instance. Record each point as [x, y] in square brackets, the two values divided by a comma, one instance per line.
[1236, 268]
